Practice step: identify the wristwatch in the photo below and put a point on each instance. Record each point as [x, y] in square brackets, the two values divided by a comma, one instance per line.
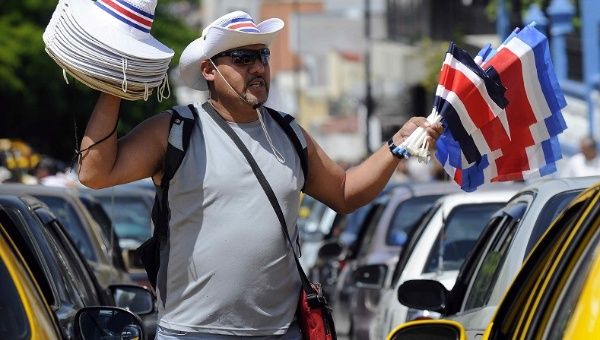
[394, 149]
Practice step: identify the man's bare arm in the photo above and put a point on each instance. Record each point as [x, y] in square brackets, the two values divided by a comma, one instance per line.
[137, 155]
[345, 191]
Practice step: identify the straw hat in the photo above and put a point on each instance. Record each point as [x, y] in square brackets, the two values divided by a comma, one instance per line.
[232, 30]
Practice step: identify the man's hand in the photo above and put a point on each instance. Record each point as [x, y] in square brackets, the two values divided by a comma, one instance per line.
[433, 130]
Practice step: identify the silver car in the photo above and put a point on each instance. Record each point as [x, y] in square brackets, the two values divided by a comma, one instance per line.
[498, 256]
[384, 236]
[438, 249]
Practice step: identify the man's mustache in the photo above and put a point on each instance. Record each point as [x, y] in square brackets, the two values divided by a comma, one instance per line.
[255, 78]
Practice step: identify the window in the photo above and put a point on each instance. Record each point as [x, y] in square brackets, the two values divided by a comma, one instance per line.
[461, 230]
[130, 216]
[371, 227]
[67, 215]
[553, 207]
[489, 268]
[412, 243]
[354, 222]
[13, 323]
[24, 232]
[77, 292]
[405, 218]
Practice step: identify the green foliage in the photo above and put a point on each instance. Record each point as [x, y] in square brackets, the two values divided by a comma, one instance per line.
[37, 105]
[433, 53]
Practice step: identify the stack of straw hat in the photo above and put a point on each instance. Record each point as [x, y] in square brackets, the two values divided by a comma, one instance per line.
[106, 44]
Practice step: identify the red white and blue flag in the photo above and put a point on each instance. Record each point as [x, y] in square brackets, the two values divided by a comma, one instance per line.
[502, 115]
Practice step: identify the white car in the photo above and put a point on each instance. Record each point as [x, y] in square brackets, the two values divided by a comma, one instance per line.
[499, 254]
[443, 241]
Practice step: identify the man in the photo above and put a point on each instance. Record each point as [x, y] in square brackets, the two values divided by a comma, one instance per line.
[586, 162]
[230, 271]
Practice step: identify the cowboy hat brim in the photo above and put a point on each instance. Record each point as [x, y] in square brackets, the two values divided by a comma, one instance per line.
[129, 41]
[218, 39]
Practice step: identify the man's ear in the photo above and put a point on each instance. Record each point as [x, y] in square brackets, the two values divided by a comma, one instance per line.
[208, 70]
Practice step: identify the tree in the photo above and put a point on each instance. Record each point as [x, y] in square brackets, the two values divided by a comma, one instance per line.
[37, 105]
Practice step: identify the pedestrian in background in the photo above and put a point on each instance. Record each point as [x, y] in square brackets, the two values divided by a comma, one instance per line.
[230, 272]
[586, 162]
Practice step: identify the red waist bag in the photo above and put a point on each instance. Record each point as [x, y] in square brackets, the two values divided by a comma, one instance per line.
[314, 314]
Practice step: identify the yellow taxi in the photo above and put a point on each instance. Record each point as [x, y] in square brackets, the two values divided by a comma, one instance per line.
[25, 313]
[556, 294]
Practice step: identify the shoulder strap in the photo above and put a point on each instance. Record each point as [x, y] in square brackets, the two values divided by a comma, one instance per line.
[180, 132]
[294, 133]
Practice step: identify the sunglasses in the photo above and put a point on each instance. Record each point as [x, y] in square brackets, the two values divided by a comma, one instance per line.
[246, 56]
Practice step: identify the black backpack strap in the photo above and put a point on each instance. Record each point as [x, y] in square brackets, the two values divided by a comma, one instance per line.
[180, 133]
[294, 133]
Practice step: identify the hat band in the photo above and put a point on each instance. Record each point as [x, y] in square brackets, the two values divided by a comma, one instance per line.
[242, 24]
[128, 14]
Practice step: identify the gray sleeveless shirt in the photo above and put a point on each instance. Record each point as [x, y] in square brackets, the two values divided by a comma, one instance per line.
[230, 269]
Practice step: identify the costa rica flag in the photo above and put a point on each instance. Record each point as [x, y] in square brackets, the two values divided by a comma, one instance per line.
[502, 114]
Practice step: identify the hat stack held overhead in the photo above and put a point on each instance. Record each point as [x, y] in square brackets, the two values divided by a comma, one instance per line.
[106, 44]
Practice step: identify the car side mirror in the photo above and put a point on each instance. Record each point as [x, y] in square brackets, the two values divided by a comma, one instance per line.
[370, 276]
[423, 294]
[107, 323]
[428, 329]
[136, 299]
[330, 250]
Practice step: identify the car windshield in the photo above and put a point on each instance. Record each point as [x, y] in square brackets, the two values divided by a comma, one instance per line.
[461, 230]
[406, 216]
[311, 212]
[13, 323]
[67, 215]
[131, 217]
[353, 223]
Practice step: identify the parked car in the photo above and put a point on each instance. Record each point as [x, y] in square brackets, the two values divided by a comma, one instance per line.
[500, 252]
[336, 250]
[315, 221]
[130, 209]
[438, 248]
[87, 234]
[101, 217]
[335, 253]
[61, 273]
[384, 236]
[555, 293]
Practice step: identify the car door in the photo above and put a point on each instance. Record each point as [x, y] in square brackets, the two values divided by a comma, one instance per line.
[471, 307]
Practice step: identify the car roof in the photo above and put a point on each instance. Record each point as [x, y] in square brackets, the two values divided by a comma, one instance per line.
[16, 188]
[449, 201]
[551, 186]
[121, 189]
[424, 188]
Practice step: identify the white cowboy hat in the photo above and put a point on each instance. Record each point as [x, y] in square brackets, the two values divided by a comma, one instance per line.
[124, 25]
[232, 30]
